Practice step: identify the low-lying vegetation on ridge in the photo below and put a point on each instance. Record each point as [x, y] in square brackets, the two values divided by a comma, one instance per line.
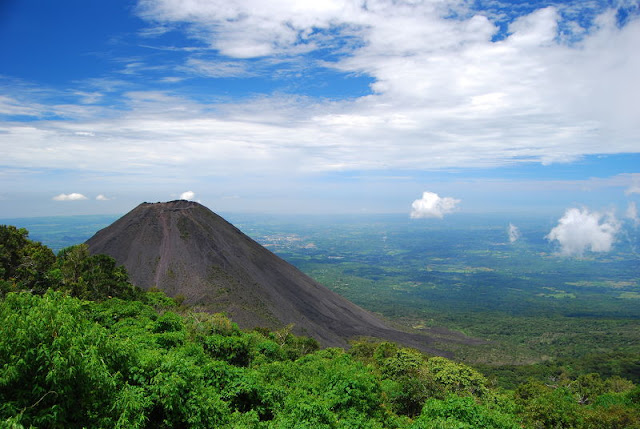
[82, 347]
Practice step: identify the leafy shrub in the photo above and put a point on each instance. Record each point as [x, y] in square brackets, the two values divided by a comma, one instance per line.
[457, 378]
[53, 371]
[462, 412]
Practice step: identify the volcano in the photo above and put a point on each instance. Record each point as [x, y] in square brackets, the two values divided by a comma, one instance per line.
[183, 248]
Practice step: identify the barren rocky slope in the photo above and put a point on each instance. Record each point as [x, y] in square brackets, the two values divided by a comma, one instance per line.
[184, 248]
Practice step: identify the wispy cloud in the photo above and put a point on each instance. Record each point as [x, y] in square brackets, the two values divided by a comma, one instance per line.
[89, 97]
[632, 212]
[172, 79]
[74, 196]
[14, 107]
[580, 230]
[432, 205]
[444, 94]
[634, 188]
[217, 68]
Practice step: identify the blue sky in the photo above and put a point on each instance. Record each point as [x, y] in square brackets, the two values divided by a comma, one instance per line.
[320, 106]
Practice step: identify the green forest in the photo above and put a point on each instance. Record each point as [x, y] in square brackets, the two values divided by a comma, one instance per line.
[80, 346]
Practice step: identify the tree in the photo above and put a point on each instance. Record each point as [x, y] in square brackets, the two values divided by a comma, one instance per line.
[24, 264]
[94, 277]
[12, 244]
[457, 378]
[588, 387]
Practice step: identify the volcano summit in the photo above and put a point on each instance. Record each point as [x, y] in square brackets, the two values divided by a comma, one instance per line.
[184, 248]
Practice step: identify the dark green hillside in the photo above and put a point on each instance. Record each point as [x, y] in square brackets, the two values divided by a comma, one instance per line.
[81, 347]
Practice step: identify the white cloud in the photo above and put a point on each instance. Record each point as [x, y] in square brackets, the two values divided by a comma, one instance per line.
[432, 205]
[13, 106]
[247, 29]
[443, 94]
[632, 212]
[580, 230]
[69, 197]
[102, 197]
[514, 233]
[217, 68]
[188, 195]
[530, 95]
[634, 188]
[89, 97]
[172, 79]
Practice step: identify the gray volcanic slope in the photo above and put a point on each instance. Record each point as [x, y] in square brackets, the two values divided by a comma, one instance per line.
[184, 248]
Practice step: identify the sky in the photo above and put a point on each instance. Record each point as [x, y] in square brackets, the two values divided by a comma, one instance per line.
[427, 108]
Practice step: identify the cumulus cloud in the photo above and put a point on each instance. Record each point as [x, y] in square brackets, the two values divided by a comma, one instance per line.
[69, 197]
[102, 197]
[432, 205]
[188, 195]
[514, 233]
[580, 230]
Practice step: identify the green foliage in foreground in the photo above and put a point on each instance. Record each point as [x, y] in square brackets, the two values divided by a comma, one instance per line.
[99, 353]
[68, 362]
